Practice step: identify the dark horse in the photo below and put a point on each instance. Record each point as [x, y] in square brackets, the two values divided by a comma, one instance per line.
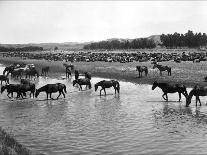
[81, 82]
[4, 78]
[163, 68]
[19, 89]
[52, 88]
[68, 66]
[170, 88]
[87, 75]
[107, 84]
[196, 91]
[31, 72]
[68, 72]
[45, 70]
[141, 69]
[8, 69]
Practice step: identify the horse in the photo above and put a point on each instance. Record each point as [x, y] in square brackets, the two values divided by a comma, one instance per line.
[163, 68]
[141, 69]
[32, 72]
[8, 69]
[17, 73]
[196, 91]
[68, 66]
[68, 72]
[11, 88]
[81, 82]
[52, 88]
[87, 75]
[76, 74]
[171, 88]
[4, 78]
[45, 70]
[107, 84]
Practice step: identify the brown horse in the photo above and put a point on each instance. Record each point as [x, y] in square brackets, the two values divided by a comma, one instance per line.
[4, 78]
[52, 88]
[171, 88]
[107, 84]
[162, 68]
[196, 91]
[83, 81]
[141, 69]
[45, 70]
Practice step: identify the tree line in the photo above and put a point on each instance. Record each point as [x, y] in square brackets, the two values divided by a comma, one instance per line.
[188, 39]
[126, 44]
[20, 49]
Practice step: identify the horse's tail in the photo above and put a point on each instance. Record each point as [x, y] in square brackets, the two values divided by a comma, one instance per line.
[118, 86]
[64, 87]
[4, 72]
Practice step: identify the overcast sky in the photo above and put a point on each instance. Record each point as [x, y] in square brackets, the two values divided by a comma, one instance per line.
[81, 21]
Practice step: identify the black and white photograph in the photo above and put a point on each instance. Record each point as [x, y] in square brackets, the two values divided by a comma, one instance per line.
[103, 77]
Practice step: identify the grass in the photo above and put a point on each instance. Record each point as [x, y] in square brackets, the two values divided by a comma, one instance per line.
[9, 146]
[187, 73]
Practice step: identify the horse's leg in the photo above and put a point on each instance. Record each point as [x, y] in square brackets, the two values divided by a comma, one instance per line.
[100, 91]
[59, 94]
[179, 96]
[199, 100]
[105, 91]
[47, 96]
[164, 97]
[1, 82]
[51, 96]
[196, 100]
[63, 94]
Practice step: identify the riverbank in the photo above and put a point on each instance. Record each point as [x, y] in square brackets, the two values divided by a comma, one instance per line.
[9, 146]
[187, 73]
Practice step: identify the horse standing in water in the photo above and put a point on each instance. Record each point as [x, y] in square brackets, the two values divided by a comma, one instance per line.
[170, 88]
[163, 68]
[196, 91]
[4, 78]
[81, 82]
[87, 75]
[107, 84]
[141, 69]
[45, 70]
[52, 88]
[32, 72]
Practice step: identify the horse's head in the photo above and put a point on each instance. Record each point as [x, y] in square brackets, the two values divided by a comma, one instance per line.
[154, 85]
[37, 93]
[74, 82]
[189, 97]
[2, 89]
[96, 87]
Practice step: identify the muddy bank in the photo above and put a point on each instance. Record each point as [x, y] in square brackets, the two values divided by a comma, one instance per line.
[187, 73]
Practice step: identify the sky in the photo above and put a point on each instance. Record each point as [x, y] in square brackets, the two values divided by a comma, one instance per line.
[83, 21]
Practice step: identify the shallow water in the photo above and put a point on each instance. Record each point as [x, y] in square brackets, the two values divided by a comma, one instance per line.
[137, 121]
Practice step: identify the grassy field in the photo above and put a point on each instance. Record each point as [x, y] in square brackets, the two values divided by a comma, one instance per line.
[187, 73]
[9, 146]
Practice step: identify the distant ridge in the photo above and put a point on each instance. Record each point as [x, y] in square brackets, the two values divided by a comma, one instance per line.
[73, 45]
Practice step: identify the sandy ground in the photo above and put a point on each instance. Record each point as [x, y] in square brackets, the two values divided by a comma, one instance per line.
[187, 73]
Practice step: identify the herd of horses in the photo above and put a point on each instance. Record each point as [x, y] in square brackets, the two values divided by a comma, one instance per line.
[26, 85]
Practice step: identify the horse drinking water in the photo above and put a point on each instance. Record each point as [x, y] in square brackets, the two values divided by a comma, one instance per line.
[170, 88]
[107, 84]
[52, 88]
[196, 91]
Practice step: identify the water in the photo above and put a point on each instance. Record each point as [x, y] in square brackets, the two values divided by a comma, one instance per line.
[137, 121]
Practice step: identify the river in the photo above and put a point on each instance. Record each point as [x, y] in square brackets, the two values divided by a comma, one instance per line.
[137, 121]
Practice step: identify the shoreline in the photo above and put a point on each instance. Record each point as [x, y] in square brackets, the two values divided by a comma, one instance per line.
[187, 73]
